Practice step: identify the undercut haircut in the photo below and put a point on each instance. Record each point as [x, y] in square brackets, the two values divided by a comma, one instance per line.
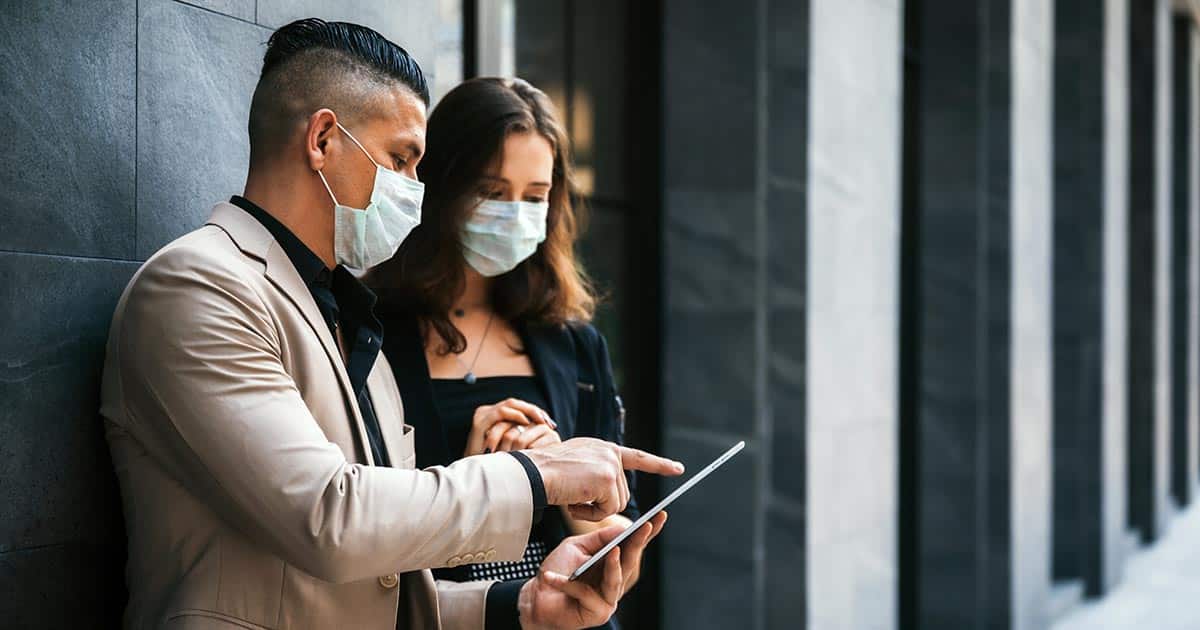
[311, 64]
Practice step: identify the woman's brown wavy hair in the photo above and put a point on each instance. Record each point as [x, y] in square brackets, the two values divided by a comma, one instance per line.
[464, 139]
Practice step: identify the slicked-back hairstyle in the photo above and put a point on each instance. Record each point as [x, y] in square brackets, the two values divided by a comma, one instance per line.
[310, 64]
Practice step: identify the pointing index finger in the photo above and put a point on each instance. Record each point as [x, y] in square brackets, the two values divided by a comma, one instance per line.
[634, 459]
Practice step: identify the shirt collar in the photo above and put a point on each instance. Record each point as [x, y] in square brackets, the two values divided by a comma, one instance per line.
[310, 266]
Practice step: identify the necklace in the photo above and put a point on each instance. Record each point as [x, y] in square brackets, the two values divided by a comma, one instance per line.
[469, 377]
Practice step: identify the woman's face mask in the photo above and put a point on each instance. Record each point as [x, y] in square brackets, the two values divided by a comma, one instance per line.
[501, 234]
[509, 221]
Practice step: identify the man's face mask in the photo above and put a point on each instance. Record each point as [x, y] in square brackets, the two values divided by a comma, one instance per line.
[364, 238]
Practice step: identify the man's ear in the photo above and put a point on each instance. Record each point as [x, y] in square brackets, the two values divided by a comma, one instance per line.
[322, 126]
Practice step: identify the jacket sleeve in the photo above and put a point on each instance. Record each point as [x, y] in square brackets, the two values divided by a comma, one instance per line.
[206, 392]
[463, 605]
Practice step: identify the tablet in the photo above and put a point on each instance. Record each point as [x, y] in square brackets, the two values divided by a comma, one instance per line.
[658, 508]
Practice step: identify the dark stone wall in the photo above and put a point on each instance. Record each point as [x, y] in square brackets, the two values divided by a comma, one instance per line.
[127, 122]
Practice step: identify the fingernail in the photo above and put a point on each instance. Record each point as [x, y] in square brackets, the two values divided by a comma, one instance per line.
[551, 576]
[553, 424]
[679, 467]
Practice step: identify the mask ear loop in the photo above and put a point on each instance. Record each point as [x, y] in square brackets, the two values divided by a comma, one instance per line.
[327, 188]
[359, 144]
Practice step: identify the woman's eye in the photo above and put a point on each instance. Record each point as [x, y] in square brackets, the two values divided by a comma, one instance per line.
[535, 199]
[491, 194]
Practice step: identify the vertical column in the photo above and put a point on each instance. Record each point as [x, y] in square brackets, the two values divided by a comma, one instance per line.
[1114, 348]
[1163, 337]
[715, 278]
[1078, 234]
[1031, 230]
[977, 409]
[1192, 383]
[1182, 481]
[1147, 415]
[1083, 543]
[853, 264]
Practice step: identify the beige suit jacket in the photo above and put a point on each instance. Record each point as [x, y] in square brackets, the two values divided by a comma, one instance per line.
[250, 499]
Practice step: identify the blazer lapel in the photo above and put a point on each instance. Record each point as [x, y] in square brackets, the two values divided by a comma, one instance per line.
[254, 239]
[552, 352]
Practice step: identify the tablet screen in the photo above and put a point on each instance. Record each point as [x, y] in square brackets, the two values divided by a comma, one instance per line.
[687, 485]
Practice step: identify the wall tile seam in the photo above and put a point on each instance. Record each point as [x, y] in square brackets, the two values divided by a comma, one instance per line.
[225, 15]
[79, 257]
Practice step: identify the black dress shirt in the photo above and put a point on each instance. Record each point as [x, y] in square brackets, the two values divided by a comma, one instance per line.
[346, 304]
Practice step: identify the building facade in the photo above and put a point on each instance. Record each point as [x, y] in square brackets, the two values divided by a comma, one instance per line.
[937, 262]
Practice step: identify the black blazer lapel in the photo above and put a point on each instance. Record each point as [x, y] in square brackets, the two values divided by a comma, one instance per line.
[552, 352]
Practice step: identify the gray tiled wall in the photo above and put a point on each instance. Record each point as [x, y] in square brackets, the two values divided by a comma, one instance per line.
[128, 124]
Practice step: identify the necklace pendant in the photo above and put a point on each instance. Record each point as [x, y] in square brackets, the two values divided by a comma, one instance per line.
[469, 378]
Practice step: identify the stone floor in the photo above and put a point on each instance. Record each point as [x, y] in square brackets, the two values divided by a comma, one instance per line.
[1161, 588]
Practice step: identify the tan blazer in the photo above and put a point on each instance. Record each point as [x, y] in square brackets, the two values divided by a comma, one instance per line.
[250, 499]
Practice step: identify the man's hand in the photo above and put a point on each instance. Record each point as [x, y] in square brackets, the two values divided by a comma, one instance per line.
[552, 601]
[588, 475]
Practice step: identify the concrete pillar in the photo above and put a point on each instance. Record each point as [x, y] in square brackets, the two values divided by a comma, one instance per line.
[1088, 473]
[1149, 299]
[734, 163]
[1182, 451]
[977, 410]
[1114, 451]
[853, 188]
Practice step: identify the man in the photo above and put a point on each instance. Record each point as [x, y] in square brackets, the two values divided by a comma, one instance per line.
[266, 473]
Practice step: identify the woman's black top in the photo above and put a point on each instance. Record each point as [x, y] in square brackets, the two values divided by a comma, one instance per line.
[572, 381]
[456, 402]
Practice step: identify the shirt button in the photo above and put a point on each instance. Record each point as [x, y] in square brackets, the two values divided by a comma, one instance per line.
[389, 581]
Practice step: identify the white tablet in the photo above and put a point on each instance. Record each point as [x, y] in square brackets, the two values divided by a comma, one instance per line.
[687, 485]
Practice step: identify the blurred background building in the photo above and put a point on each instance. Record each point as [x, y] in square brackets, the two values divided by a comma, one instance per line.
[938, 262]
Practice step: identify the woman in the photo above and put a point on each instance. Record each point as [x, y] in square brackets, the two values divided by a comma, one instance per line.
[487, 310]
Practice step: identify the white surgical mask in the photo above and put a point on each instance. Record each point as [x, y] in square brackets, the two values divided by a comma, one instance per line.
[364, 238]
[501, 234]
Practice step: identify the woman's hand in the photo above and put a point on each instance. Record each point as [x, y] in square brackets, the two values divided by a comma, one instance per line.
[509, 423]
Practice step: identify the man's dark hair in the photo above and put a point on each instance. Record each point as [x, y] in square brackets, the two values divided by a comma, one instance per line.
[310, 64]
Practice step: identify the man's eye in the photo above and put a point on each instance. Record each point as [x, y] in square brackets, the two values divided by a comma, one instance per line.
[398, 163]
